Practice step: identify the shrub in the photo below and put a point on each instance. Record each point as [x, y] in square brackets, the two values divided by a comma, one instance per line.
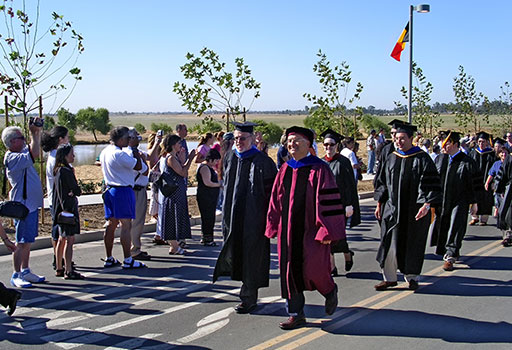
[271, 131]
[141, 129]
[370, 122]
[167, 129]
[206, 125]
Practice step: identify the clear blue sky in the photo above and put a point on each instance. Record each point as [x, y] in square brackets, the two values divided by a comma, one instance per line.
[133, 49]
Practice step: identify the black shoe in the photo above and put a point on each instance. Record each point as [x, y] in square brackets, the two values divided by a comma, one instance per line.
[12, 304]
[349, 263]
[244, 308]
[413, 285]
[293, 322]
[331, 301]
[142, 256]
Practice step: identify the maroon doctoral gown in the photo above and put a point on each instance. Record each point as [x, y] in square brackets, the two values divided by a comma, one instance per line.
[305, 209]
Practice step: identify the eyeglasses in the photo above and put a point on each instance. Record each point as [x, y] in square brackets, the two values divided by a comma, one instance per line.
[240, 138]
[329, 144]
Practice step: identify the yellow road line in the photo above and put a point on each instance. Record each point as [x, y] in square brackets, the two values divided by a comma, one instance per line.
[478, 253]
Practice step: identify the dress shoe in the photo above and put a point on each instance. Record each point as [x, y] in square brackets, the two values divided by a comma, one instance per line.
[413, 285]
[293, 322]
[474, 222]
[245, 308]
[349, 263]
[448, 266]
[334, 272]
[12, 303]
[384, 285]
[331, 301]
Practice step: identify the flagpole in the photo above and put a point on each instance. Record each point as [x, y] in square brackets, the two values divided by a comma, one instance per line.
[409, 102]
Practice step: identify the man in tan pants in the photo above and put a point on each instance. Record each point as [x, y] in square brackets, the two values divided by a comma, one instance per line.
[141, 199]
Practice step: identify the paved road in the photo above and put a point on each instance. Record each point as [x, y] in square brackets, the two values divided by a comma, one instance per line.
[173, 304]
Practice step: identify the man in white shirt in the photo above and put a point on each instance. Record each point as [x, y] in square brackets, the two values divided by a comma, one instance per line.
[119, 197]
[141, 198]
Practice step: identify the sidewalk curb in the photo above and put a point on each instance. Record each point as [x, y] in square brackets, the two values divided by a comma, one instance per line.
[97, 235]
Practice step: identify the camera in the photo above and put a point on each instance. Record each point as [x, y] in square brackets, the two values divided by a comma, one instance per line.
[39, 122]
[160, 133]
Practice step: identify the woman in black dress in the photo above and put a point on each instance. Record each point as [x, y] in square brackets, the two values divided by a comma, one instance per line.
[208, 187]
[65, 192]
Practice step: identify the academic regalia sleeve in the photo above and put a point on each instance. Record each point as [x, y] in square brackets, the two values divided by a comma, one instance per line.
[275, 206]
[476, 182]
[503, 179]
[430, 183]
[330, 214]
[381, 194]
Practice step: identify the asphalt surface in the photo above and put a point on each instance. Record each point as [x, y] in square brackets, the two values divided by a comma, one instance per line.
[173, 304]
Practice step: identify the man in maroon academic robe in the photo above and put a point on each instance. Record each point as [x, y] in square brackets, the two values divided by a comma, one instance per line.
[306, 214]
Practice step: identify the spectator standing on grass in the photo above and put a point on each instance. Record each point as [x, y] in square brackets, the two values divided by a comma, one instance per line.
[205, 144]
[208, 186]
[49, 143]
[65, 192]
[119, 197]
[8, 297]
[173, 218]
[218, 140]
[245, 256]
[371, 146]
[141, 181]
[27, 189]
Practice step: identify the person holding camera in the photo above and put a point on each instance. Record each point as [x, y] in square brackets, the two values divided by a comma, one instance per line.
[19, 165]
[119, 198]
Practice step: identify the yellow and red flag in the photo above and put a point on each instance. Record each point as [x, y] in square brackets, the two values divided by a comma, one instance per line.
[400, 44]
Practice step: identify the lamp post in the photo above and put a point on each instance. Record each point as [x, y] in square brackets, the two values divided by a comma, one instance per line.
[424, 8]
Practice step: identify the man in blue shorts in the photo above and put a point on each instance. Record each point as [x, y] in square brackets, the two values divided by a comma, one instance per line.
[27, 189]
[119, 197]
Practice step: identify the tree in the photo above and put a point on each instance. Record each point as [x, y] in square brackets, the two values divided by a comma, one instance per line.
[503, 110]
[468, 101]
[213, 87]
[141, 129]
[332, 106]
[271, 131]
[34, 61]
[94, 120]
[422, 114]
[67, 119]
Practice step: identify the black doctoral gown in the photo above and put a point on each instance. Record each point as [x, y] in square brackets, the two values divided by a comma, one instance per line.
[484, 160]
[404, 184]
[386, 150]
[248, 182]
[460, 182]
[502, 185]
[344, 175]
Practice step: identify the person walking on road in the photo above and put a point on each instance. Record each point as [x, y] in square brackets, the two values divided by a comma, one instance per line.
[245, 256]
[460, 184]
[119, 198]
[408, 184]
[306, 216]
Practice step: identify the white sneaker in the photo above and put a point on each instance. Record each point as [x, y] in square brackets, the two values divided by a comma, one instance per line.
[27, 275]
[17, 281]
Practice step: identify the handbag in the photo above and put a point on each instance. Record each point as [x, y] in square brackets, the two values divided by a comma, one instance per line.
[13, 209]
[166, 184]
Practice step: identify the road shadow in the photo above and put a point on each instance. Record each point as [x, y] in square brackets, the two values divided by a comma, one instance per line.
[417, 324]
[465, 286]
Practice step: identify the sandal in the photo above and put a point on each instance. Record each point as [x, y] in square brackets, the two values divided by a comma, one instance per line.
[73, 275]
[111, 262]
[183, 244]
[180, 251]
[159, 241]
[59, 273]
[133, 264]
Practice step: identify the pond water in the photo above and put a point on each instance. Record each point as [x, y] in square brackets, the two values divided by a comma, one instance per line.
[87, 154]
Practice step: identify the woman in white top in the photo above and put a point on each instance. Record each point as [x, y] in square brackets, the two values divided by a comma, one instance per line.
[50, 140]
[347, 151]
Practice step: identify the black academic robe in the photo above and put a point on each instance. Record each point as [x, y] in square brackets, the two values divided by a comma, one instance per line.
[385, 151]
[344, 175]
[502, 186]
[484, 161]
[404, 184]
[245, 255]
[460, 183]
